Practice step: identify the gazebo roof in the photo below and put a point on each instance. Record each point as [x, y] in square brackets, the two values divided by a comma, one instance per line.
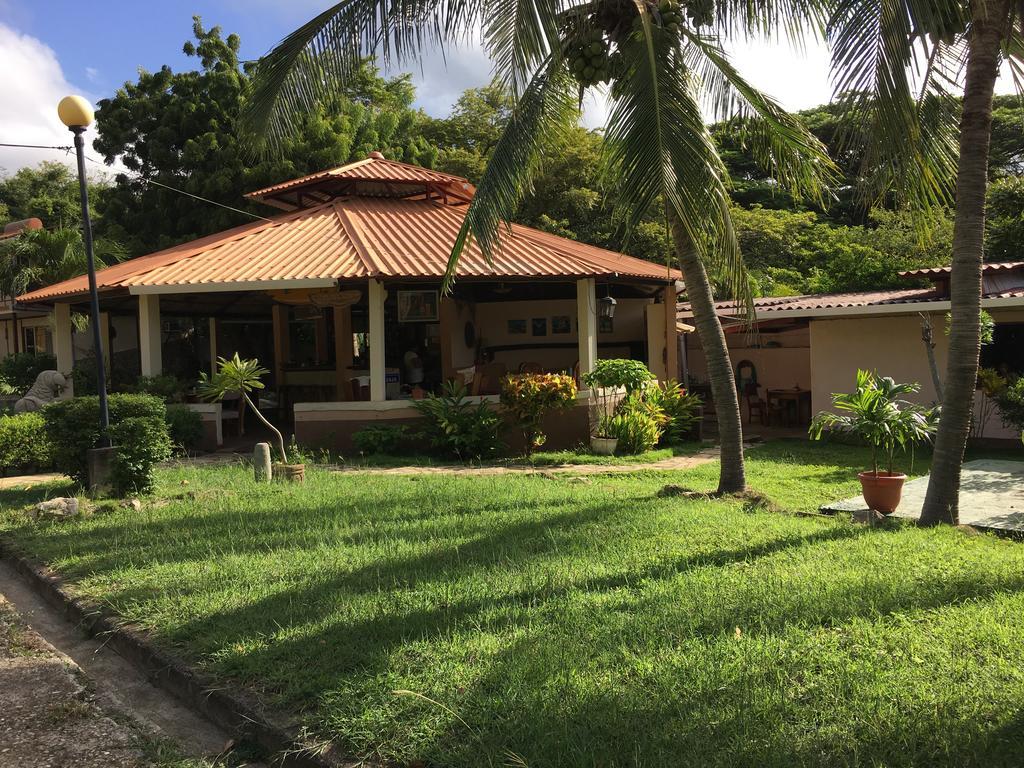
[356, 236]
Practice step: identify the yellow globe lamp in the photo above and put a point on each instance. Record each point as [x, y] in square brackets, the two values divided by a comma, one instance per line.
[74, 112]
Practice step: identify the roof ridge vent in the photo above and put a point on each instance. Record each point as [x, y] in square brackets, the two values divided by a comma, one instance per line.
[375, 155]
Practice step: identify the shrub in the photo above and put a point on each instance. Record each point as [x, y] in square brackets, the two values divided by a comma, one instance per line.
[636, 430]
[168, 388]
[681, 409]
[388, 440]
[23, 442]
[1010, 402]
[458, 427]
[72, 426]
[528, 397]
[184, 427]
[141, 442]
[83, 377]
[19, 371]
[608, 377]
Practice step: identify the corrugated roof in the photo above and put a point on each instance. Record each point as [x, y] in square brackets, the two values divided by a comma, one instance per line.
[986, 269]
[353, 238]
[827, 301]
[389, 178]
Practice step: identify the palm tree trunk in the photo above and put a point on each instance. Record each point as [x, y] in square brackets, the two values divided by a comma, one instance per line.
[988, 29]
[732, 478]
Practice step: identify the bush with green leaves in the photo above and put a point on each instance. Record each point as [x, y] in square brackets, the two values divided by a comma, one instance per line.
[19, 370]
[387, 440]
[528, 397]
[605, 381]
[681, 409]
[636, 429]
[72, 427]
[167, 387]
[184, 427]
[457, 426]
[142, 442]
[24, 445]
[1010, 404]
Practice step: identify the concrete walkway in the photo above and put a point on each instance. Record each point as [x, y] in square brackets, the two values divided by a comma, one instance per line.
[991, 496]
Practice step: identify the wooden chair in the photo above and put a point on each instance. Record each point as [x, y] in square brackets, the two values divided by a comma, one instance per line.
[487, 380]
[755, 404]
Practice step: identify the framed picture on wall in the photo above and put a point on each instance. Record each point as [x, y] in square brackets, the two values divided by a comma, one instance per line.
[561, 324]
[417, 306]
[517, 326]
[540, 326]
[606, 325]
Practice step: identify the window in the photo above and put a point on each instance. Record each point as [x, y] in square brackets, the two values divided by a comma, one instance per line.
[1004, 353]
[36, 340]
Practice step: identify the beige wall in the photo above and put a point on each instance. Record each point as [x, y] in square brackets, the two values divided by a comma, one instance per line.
[783, 367]
[891, 346]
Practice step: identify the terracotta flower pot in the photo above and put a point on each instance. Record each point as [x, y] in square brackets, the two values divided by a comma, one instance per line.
[882, 491]
[290, 473]
[604, 446]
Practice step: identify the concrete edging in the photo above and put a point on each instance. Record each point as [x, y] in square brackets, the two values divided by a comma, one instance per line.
[233, 711]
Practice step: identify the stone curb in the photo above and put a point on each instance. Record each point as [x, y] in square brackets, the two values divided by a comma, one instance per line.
[233, 711]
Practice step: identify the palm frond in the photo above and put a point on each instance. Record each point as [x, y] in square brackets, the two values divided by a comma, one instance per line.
[322, 54]
[657, 145]
[519, 35]
[796, 21]
[879, 47]
[546, 109]
[779, 141]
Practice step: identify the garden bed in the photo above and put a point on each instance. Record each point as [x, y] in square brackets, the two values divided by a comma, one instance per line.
[476, 621]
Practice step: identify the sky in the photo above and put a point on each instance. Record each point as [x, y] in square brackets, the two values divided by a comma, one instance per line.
[50, 48]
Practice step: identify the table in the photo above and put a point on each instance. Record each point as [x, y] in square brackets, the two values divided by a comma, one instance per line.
[800, 398]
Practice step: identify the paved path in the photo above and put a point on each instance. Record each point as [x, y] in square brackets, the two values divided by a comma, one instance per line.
[991, 496]
[16, 481]
[65, 699]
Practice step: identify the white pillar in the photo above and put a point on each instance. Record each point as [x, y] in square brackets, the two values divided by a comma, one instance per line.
[62, 348]
[378, 391]
[586, 316]
[149, 335]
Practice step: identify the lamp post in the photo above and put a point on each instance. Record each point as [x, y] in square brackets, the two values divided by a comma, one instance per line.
[76, 113]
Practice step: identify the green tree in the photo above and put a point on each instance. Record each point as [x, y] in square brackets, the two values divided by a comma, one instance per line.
[180, 129]
[656, 145]
[1005, 221]
[917, 142]
[49, 192]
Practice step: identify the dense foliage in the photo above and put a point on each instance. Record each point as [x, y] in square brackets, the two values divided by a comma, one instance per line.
[458, 427]
[138, 428]
[24, 445]
[184, 427]
[1010, 404]
[382, 440]
[528, 398]
[682, 411]
[19, 371]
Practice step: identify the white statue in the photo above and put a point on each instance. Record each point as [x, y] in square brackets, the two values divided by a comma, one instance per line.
[47, 388]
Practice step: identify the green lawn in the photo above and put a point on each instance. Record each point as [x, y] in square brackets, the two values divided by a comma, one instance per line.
[560, 621]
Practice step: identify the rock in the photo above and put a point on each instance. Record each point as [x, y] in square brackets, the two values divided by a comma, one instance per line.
[132, 504]
[59, 507]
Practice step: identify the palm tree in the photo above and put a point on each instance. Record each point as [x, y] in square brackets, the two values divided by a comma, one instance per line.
[660, 66]
[899, 61]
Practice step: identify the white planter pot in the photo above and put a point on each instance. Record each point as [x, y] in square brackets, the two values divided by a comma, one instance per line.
[604, 446]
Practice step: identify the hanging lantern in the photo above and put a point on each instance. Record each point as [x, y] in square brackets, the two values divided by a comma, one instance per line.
[606, 306]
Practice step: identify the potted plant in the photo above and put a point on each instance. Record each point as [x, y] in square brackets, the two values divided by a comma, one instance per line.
[876, 413]
[609, 380]
[243, 376]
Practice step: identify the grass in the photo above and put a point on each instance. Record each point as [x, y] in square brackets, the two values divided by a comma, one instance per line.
[554, 621]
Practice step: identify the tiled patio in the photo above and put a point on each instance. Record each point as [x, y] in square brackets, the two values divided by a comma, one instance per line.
[991, 497]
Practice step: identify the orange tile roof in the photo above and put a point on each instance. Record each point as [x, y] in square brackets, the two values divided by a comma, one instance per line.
[1007, 266]
[355, 238]
[388, 178]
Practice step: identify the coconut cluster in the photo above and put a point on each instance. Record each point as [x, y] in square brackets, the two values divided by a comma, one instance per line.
[590, 57]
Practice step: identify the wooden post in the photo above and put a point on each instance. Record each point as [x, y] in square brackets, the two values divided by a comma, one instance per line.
[586, 317]
[213, 345]
[62, 348]
[150, 350]
[671, 335]
[378, 390]
[449, 314]
[281, 342]
[343, 351]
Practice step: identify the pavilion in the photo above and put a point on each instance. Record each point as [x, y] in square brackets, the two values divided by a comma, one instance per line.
[339, 296]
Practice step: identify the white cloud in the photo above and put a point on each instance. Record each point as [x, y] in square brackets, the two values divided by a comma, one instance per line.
[92, 74]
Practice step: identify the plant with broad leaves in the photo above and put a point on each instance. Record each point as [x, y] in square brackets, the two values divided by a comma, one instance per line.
[878, 415]
[243, 377]
[607, 379]
[527, 398]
